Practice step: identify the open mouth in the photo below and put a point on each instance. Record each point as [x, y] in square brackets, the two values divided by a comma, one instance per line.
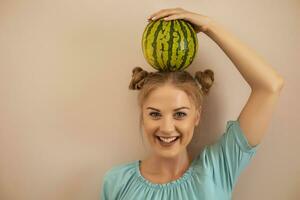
[167, 142]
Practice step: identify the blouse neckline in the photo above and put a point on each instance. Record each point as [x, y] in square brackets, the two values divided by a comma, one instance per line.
[186, 176]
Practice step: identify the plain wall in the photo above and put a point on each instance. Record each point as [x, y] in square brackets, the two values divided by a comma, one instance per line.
[67, 115]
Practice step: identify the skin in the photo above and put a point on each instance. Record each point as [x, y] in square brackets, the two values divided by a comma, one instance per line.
[168, 163]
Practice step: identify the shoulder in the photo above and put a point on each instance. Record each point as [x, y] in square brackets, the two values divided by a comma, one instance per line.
[233, 136]
[117, 178]
[120, 172]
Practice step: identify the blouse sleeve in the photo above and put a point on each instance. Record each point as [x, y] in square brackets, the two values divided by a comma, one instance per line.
[228, 157]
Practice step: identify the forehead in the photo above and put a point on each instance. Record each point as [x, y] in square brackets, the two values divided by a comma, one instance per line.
[167, 98]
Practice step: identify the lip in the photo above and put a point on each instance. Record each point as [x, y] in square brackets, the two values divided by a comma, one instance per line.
[167, 144]
[168, 136]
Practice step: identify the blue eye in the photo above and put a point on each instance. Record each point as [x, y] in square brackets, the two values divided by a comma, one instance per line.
[182, 114]
[151, 114]
[179, 114]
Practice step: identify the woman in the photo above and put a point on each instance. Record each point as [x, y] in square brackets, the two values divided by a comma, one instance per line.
[170, 106]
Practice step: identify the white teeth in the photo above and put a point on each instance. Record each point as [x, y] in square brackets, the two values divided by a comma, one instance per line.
[168, 140]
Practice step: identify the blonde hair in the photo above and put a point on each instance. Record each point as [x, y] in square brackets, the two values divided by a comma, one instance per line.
[195, 87]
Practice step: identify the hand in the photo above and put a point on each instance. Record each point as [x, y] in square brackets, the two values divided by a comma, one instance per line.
[200, 22]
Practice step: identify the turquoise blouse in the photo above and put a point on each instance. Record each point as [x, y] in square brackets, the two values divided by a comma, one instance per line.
[212, 174]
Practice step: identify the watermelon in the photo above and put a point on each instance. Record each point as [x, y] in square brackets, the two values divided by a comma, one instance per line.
[169, 45]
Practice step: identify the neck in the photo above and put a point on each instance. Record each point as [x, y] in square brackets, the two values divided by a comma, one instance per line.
[167, 167]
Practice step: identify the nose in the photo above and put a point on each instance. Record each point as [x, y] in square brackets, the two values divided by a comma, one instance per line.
[167, 125]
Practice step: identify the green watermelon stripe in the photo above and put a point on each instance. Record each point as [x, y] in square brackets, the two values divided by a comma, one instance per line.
[185, 32]
[178, 49]
[195, 41]
[159, 47]
[154, 44]
[190, 45]
[145, 41]
[193, 44]
[163, 44]
[170, 44]
[194, 36]
[174, 49]
[150, 48]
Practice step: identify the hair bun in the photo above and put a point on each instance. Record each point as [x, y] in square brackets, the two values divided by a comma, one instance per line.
[138, 78]
[205, 79]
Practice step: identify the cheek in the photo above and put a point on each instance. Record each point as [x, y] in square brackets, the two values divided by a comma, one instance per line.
[150, 124]
[150, 129]
[187, 135]
[187, 126]
[187, 130]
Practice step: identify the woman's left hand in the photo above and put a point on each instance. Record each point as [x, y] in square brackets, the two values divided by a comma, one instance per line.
[200, 22]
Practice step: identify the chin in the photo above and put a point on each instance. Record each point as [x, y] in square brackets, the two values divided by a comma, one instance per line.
[169, 154]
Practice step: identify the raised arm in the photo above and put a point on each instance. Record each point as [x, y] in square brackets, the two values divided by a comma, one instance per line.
[258, 74]
[264, 81]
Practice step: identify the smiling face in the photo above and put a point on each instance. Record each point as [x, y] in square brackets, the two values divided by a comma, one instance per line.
[168, 112]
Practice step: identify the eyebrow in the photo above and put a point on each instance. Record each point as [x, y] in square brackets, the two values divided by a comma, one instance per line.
[174, 109]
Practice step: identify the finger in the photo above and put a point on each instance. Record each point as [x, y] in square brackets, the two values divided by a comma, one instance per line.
[160, 13]
[173, 17]
[164, 13]
[153, 14]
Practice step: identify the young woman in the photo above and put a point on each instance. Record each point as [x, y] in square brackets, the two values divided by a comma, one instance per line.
[170, 104]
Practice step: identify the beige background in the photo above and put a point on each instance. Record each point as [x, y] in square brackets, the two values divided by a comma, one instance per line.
[67, 116]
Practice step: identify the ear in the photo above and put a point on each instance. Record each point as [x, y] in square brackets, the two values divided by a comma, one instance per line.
[198, 117]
